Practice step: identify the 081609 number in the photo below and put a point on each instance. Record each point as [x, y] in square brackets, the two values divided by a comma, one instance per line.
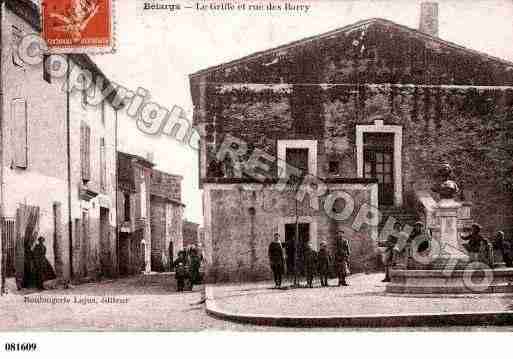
[20, 347]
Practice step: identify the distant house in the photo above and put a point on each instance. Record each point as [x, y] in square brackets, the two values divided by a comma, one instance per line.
[370, 110]
[166, 219]
[57, 155]
[134, 213]
[190, 234]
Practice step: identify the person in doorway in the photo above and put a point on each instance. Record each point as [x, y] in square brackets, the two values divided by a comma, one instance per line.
[276, 259]
[389, 253]
[475, 242]
[342, 253]
[39, 256]
[310, 264]
[324, 263]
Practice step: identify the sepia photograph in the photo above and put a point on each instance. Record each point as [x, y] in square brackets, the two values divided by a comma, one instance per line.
[255, 166]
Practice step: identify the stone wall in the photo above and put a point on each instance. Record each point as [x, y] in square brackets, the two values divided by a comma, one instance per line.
[242, 220]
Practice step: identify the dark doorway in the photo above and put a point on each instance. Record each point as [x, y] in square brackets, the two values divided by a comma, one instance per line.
[378, 163]
[124, 254]
[303, 239]
[105, 251]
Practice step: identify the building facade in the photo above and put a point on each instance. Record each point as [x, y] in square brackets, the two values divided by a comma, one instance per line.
[134, 213]
[57, 162]
[367, 113]
[166, 219]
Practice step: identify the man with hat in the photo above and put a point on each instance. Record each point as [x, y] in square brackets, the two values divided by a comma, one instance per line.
[342, 253]
[276, 259]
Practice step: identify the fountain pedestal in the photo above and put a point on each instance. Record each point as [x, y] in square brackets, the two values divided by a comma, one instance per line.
[447, 268]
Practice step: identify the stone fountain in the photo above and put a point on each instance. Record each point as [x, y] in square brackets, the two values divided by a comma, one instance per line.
[447, 268]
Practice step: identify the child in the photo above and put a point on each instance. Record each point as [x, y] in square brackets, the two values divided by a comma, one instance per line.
[181, 275]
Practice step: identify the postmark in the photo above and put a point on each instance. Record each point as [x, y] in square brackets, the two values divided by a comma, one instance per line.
[78, 26]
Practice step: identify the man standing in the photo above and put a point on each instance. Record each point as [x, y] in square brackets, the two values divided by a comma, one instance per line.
[276, 259]
[342, 253]
[324, 263]
[39, 255]
[474, 242]
[389, 255]
[171, 256]
[310, 261]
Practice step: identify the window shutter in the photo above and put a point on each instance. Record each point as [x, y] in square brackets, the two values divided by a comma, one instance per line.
[19, 116]
[85, 148]
[103, 165]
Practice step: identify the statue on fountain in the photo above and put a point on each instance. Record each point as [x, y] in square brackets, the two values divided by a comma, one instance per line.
[446, 187]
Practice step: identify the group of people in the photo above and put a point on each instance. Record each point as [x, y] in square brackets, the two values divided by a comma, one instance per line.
[491, 252]
[187, 268]
[315, 262]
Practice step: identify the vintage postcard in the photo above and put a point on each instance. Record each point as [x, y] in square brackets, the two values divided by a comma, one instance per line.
[256, 165]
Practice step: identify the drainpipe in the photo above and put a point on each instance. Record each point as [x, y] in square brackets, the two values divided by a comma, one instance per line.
[68, 152]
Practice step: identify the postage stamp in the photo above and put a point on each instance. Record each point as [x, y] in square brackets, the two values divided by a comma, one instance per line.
[78, 26]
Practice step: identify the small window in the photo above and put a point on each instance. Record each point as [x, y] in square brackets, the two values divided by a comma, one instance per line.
[334, 167]
[103, 165]
[17, 35]
[102, 109]
[127, 206]
[46, 72]
[85, 154]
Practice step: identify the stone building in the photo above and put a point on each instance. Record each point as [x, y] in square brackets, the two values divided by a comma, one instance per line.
[57, 157]
[366, 113]
[190, 234]
[134, 213]
[166, 219]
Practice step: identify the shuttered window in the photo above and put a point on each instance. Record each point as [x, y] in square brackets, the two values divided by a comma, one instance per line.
[85, 152]
[103, 165]
[19, 116]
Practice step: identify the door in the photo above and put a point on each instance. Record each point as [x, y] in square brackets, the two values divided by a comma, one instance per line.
[290, 245]
[378, 163]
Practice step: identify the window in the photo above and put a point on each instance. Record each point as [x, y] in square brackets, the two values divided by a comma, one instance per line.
[17, 35]
[46, 72]
[85, 155]
[334, 167]
[143, 199]
[19, 118]
[127, 206]
[102, 109]
[297, 158]
[301, 154]
[103, 165]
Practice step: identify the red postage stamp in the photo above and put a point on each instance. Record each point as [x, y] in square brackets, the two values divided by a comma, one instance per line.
[78, 25]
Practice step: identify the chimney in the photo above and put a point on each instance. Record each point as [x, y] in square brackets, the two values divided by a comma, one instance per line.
[429, 18]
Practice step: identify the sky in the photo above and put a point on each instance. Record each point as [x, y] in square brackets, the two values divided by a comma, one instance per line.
[158, 49]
